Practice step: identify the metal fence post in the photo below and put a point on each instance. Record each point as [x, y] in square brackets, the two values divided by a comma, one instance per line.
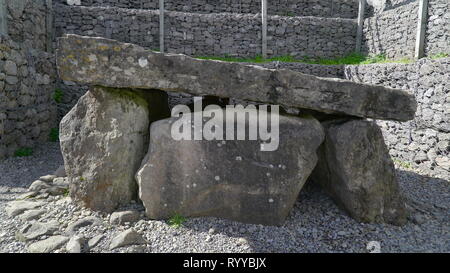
[3, 18]
[161, 26]
[359, 32]
[49, 26]
[264, 28]
[421, 29]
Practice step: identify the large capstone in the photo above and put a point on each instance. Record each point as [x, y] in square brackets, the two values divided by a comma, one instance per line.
[105, 62]
[103, 140]
[231, 179]
[356, 170]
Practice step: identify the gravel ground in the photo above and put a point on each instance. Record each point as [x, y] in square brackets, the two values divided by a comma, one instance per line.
[315, 224]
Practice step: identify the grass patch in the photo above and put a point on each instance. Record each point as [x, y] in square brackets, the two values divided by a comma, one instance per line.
[66, 192]
[177, 220]
[54, 135]
[57, 95]
[21, 152]
[403, 164]
[439, 56]
[351, 59]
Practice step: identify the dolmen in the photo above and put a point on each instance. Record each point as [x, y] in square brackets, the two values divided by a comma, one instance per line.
[122, 142]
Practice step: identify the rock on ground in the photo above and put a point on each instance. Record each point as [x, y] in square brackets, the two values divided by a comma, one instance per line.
[18, 207]
[122, 217]
[126, 238]
[35, 230]
[228, 179]
[76, 244]
[356, 170]
[87, 221]
[32, 214]
[48, 245]
[103, 140]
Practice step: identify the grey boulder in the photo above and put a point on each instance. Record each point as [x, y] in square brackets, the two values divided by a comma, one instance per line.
[39, 185]
[36, 230]
[32, 214]
[122, 217]
[48, 245]
[84, 222]
[76, 244]
[15, 208]
[356, 169]
[228, 179]
[94, 241]
[103, 139]
[126, 238]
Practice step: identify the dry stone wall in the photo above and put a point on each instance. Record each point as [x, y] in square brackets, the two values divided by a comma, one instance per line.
[27, 109]
[320, 8]
[438, 27]
[212, 34]
[424, 141]
[27, 77]
[392, 31]
[26, 21]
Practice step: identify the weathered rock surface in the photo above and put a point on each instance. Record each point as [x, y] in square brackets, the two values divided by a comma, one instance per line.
[36, 230]
[126, 238]
[39, 185]
[61, 182]
[228, 179]
[47, 178]
[356, 170]
[60, 172]
[48, 245]
[93, 242]
[76, 244]
[103, 140]
[104, 62]
[18, 207]
[32, 214]
[87, 221]
[122, 217]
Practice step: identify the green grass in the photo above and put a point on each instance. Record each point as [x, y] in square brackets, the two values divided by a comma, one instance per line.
[403, 164]
[57, 95]
[351, 59]
[54, 135]
[177, 220]
[21, 152]
[439, 56]
[66, 193]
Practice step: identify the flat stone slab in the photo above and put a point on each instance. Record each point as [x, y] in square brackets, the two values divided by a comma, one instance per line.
[105, 62]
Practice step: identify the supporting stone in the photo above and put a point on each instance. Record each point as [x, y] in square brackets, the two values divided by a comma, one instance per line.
[227, 179]
[356, 170]
[421, 29]
[103, 140]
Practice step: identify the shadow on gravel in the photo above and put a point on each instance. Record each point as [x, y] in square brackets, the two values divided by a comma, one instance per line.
[316, 224]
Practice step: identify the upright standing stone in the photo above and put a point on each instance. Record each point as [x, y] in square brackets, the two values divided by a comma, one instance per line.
[356, 170]
[103, 140]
